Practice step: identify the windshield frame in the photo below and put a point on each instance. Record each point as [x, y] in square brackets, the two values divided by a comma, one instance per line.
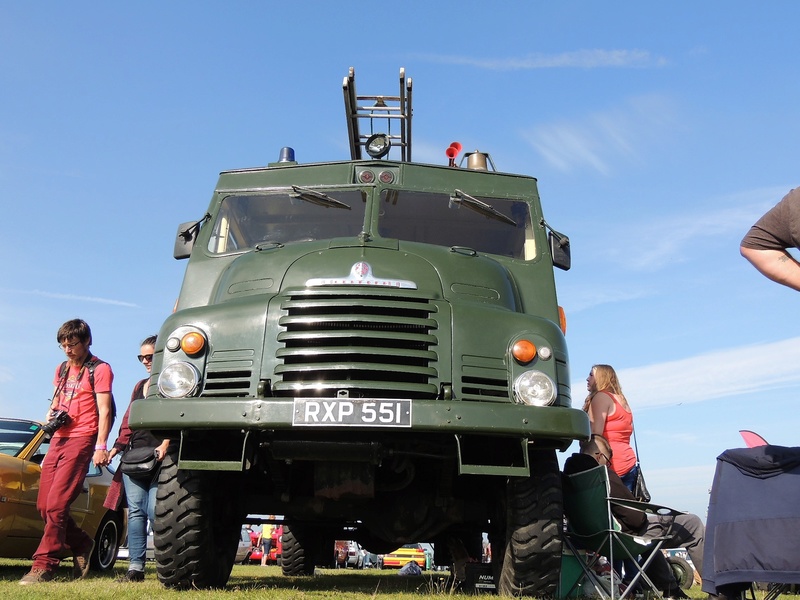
[486, 230]
[305, 215]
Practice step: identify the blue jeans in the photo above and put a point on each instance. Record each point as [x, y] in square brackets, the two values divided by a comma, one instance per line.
[629, 479]
[141, 497]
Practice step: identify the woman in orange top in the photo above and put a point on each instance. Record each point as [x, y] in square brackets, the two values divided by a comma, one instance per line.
[610, 416]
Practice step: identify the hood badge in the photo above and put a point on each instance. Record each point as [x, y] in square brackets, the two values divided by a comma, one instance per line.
[361, 274]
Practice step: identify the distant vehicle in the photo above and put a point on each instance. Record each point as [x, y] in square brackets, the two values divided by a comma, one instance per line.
[401, 556]
[23, 446]
[347, 553]
[274, 557]
[681, 565]
[242, 550]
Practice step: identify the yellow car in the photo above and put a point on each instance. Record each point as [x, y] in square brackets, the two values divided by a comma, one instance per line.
[403, 555]
[23, 446]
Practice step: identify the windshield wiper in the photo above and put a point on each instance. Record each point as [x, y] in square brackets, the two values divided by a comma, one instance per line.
[318, 198]
[479, 206]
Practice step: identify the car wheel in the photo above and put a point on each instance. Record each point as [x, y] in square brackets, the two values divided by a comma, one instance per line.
[684, 574]
[106, 543]
[528, 537]
[197, 527]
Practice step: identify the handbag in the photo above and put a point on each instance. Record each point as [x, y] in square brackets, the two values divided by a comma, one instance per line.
[139, 463]
[639, 486]
[640, 491]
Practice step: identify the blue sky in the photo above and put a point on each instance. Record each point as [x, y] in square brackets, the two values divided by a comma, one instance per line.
[658, 132]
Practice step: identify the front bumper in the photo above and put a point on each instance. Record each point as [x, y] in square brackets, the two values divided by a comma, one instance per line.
[440, 416]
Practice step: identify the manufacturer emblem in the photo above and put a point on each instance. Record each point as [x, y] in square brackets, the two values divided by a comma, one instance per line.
[361, 274]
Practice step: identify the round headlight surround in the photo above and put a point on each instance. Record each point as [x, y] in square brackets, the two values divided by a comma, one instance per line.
[178, 380]
[378, 145]
[534, 388]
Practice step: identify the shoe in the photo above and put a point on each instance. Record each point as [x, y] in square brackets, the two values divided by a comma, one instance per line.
[132, 576]
[37, 576]
[675, 594]
[80, 563]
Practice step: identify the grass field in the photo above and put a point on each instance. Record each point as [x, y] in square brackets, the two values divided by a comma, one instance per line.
[247, 581]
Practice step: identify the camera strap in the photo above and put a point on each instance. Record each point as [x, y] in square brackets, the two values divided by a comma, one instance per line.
[90, 364]
[63, 376]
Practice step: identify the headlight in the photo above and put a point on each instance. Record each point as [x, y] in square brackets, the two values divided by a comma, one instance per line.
[178, 380]
[535, 389]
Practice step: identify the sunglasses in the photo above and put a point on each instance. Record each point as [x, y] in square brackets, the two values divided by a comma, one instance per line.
[608, 460]
[145, 357]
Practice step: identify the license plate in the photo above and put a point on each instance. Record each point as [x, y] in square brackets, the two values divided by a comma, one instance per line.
[361, 412]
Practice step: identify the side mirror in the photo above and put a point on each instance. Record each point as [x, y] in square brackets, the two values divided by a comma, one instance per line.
[560, 250]
[184, 240]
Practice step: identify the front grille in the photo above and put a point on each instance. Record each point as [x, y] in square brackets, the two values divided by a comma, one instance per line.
[229, 373]
[483, 388]
[364, 344]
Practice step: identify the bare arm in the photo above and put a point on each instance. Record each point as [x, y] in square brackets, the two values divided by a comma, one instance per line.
[601, 406]
[103, 427]
[161, 451]
[777, 265]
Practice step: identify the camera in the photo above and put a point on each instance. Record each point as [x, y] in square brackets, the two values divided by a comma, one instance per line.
[58, 420]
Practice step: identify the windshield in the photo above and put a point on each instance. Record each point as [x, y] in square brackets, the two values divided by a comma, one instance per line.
[302, 214]
[492, 225]
[16, 435]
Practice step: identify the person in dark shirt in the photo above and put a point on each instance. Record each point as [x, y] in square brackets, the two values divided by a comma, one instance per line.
[687, 530]
[766, 244]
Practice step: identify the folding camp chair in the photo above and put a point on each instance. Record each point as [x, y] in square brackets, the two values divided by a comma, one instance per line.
[592, 527]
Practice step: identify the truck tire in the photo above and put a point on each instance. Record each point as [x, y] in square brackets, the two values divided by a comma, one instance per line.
[684, 574]
[299, 552]
[197, 528]
[302, 550]
[529, 554]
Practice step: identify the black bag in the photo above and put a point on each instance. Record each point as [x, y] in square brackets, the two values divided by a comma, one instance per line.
[640, 487]
[139, 463]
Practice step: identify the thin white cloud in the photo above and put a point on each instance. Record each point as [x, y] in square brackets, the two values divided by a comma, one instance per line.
[74, 297]
[577, 59]
[577, 299]
[729, 372]
[692, 493]
[598, 141]
[667, 239]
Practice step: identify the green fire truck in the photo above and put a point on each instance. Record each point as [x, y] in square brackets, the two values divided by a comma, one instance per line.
[373, 350]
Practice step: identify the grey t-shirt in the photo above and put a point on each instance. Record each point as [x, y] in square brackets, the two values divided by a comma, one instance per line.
[779, 228]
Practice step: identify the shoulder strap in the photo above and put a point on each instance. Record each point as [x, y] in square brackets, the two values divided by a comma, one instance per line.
[635, 445]
[62, 378]
[91, 364]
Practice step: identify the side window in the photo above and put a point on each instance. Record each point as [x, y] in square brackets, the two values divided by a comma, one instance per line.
[41, 452]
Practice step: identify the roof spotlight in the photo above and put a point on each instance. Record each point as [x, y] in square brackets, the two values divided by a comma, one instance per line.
[378, 145]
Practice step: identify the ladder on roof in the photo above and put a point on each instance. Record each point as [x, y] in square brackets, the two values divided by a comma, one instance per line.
[386, 109]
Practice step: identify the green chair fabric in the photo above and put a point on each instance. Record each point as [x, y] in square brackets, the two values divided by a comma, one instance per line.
[591, 526]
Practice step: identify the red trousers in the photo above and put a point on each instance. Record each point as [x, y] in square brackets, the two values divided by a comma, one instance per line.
[63, 471]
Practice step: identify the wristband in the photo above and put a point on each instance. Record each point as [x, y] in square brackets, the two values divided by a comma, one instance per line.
[100, 447]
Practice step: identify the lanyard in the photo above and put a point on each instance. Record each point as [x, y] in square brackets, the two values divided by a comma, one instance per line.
[63, 384]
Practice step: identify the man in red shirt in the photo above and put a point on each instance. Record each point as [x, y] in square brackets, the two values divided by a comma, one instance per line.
[83, 392]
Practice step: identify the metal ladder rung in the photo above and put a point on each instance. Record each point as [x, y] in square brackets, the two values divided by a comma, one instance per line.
[379, 111]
